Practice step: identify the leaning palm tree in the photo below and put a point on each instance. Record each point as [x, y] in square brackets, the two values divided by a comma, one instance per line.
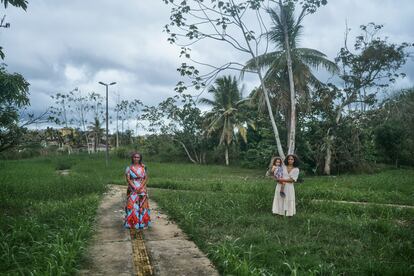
[289, 68]
[226, 115]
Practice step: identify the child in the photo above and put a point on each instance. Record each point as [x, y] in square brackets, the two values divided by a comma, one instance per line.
[277, 171]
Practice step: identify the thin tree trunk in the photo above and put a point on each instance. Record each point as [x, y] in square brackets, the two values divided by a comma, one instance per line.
[329, 144]
[87, 143]
[262, 83]
[196, 156]
[292, 125]
[328, 155]
[226, 155]
[186, 151]
[272, 119]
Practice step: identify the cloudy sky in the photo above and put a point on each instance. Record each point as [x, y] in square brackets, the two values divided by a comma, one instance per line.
[59, 45]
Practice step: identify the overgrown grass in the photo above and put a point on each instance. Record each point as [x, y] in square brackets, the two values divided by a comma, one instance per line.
[226, 211]
[46, 219]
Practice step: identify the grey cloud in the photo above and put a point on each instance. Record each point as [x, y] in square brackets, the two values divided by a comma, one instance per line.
[124, 40]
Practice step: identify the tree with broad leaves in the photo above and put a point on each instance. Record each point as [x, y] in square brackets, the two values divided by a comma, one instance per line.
[238, 24]
[225, 116]
[179, 119]
[16, 3]
[394, 138]
[371, 66]
[14, 95]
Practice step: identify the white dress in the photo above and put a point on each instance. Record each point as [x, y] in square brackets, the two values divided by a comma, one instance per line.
[286, 206]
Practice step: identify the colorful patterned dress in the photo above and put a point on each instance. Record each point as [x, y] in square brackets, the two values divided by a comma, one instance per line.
[137, 207]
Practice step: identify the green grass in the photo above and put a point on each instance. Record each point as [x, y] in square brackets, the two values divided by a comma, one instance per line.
[226, 211]
[47, 219]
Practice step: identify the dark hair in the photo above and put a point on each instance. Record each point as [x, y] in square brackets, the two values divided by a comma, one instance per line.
[132, 157]
[295, 163]
[276, 158]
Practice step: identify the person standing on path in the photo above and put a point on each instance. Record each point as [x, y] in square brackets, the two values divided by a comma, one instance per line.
[286, 206]
[137, 208]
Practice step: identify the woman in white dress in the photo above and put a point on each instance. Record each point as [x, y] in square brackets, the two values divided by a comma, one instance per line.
[286, 206]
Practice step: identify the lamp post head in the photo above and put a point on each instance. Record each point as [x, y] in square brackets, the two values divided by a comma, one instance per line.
[112, 83]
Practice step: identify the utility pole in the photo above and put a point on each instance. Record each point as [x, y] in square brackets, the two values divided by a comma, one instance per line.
[107, 120]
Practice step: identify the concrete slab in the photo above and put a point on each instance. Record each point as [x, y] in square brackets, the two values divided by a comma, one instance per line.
[170, 251]
[110, 252]
[113, 253]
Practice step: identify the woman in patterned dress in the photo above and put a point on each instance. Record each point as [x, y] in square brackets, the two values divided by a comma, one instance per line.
[137, 207]
[286, 206]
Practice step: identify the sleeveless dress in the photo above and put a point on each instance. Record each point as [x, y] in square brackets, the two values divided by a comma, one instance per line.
[137, 208]
[286, 206]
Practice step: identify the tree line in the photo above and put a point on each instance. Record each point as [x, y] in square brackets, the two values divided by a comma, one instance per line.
[346, 125]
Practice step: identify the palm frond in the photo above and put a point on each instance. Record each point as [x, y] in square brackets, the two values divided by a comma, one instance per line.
[316, 59]
[206, 101]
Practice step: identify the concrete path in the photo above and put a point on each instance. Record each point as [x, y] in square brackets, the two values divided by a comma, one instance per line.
[163, 249]
[110, 252]
[170, 251]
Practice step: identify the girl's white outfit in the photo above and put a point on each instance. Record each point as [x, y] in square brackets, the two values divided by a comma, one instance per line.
[286, 206]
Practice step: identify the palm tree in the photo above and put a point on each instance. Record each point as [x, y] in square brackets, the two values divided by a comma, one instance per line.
[226, 115]
[289, 67]
[96, 131]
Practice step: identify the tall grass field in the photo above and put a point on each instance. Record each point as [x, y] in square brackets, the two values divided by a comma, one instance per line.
[47, 219]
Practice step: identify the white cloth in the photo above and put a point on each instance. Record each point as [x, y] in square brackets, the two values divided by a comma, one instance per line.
[286, 206]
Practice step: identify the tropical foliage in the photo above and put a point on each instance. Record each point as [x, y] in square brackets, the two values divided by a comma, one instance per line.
[226, 115]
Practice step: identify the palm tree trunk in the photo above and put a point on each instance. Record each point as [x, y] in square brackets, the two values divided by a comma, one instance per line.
[226, 155]
[292, 125]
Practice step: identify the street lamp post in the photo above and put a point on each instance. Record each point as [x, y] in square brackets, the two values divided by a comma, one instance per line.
[107, 120]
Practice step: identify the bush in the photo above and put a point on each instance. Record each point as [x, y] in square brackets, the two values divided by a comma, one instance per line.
[123, 152]
[63, 165]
